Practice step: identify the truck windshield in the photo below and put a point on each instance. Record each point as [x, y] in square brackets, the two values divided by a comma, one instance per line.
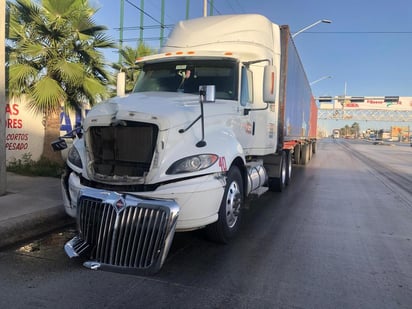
[187, 76]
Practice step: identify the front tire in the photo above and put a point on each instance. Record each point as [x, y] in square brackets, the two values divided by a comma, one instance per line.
[230, 211]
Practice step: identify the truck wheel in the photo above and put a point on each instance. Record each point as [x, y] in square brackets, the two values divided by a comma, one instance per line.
[310, 150]
[230, 211]
[297, 154]
[288, 167]
[277, 184]
[305, 154]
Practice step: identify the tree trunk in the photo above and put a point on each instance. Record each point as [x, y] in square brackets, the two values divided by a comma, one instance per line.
[51, 133]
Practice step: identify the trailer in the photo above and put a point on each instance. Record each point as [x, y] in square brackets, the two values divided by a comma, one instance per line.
[218, 117]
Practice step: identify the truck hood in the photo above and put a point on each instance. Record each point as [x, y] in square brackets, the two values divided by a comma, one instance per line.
[166, 109]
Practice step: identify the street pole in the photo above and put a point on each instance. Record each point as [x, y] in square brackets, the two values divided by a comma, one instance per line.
[162, 23]
[326, 21]
[320, 79]
[187, 8]
[204, 8]
[141, 21]
[121, 30]
[3, 174]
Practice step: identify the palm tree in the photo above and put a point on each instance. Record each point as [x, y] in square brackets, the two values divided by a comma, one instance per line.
[128, 59]
[355, 129]
[54, 59]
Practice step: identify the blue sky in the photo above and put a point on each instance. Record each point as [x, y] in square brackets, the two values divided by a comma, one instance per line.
[367, 47]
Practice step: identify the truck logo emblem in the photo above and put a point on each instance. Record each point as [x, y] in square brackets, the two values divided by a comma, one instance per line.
[120, 204]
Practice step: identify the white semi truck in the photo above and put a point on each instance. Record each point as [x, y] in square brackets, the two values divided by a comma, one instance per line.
[217, 117]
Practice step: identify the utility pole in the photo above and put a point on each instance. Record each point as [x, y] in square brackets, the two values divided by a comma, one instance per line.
[3, 174]
[141, 21]
[121, 30]
[204, 8]
[162, 23]
[187, 8]
[211, 8]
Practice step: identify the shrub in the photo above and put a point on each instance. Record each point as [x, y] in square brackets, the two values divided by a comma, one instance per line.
[26, 166]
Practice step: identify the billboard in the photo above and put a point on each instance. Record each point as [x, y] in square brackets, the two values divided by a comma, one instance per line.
[366, 103]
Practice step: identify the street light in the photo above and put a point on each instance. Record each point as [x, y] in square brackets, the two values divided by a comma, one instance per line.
[326, 21]
[320, 79]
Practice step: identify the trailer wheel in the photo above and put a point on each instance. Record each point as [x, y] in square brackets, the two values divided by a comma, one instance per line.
[297, 154]
[305, 154]
[277, 184]
[288, 167]
[230, 211]
[310, 146]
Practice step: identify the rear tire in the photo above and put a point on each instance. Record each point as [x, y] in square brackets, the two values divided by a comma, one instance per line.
[288, 167]
[277, 184]
[305, 154]
[314, 147]
[230, 211]
[297, 154]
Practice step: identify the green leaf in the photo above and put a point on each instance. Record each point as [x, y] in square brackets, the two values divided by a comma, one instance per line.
[47, 96]
[70, 72]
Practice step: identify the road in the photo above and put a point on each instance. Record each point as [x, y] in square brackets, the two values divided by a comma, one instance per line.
[340, 236]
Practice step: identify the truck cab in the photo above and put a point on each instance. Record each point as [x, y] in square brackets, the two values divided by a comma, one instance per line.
[205, 128]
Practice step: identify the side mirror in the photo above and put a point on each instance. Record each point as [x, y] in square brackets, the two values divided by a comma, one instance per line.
[208, 92]
[59, 144]
[269, 84]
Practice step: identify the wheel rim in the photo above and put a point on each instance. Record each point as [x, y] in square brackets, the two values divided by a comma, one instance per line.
[233, 202]
[289, 163]
[283, 172]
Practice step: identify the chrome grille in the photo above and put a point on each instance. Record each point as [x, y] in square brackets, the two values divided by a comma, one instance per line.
[124, 231]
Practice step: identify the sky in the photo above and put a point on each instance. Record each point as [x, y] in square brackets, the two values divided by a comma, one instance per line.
[366, 49]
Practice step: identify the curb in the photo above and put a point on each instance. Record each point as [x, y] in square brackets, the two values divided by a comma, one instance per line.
[28, 226]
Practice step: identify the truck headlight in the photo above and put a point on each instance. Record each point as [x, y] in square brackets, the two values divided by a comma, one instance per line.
[74, 157]
[192, 164]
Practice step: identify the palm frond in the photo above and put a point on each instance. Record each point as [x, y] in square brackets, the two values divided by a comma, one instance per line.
[21, 76]
[69, 72]
[47, 96]
[94, 90]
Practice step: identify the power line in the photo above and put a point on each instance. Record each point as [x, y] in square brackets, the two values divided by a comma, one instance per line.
[231, 6]
[143, 39]
[150, 27]
[241, 8]
[214, 7]
[147, 14]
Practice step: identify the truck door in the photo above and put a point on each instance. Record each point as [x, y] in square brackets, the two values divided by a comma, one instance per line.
[246, 128]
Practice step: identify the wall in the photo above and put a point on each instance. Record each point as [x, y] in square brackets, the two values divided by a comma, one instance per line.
[25, 130]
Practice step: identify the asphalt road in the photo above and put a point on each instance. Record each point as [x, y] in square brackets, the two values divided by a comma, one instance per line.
[340, 236]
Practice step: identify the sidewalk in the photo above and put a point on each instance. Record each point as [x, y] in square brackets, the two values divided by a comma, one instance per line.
[31, 207]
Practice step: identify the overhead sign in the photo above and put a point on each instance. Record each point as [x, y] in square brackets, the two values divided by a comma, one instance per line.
[366, 103]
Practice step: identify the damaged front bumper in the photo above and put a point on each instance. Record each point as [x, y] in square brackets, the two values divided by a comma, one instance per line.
[123, 232]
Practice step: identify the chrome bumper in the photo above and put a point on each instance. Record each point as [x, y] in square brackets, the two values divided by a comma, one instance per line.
[123, 232]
